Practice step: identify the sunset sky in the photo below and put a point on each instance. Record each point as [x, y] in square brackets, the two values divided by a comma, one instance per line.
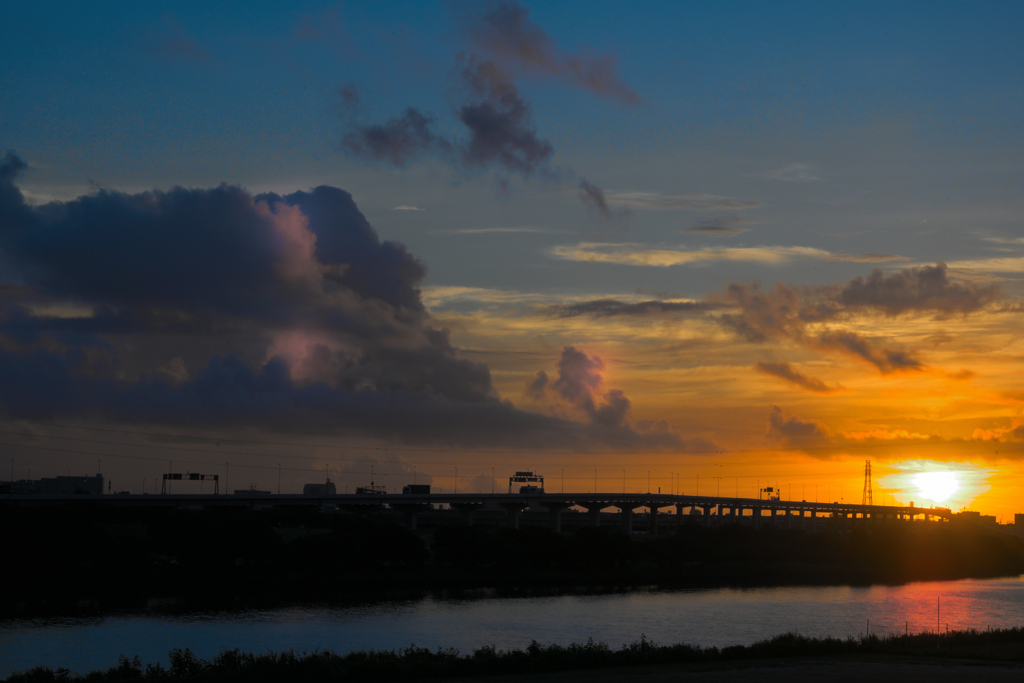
[694, 246]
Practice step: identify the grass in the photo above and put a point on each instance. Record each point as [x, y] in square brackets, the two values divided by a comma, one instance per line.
[420, 663]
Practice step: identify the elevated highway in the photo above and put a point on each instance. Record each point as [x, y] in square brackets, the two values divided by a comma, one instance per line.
[661, 509]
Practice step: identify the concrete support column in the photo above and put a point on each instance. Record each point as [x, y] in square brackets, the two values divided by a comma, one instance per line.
[679, 514]
[411, 512]
[593, 512]
[512, 513]
[627, 520]
[555, 515]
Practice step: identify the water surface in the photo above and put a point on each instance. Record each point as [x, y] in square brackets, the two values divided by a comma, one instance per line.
[705, 617]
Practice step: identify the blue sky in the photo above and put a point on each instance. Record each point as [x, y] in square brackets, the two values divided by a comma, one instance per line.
[673, 156]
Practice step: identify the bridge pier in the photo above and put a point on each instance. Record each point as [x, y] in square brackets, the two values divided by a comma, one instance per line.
[593, 511]
[627, 515]
[653, 523]
[555, 515]
[512, 513]
[412, 511]
[467, 510]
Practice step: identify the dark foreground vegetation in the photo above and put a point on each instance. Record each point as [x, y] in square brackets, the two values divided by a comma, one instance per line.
[420, 663]
[81, 560]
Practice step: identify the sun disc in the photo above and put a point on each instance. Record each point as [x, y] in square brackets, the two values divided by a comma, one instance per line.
[937, 486]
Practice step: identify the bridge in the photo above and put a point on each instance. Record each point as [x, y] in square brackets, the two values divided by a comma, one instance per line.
[508, 508]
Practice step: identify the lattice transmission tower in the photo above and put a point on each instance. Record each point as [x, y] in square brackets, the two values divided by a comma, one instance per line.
[866, 498]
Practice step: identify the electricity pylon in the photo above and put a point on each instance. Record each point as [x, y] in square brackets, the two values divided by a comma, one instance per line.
[866, 498]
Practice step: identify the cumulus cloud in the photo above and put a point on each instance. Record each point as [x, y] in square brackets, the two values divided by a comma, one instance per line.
[579, 384]
[794, 432]
[760, 316]
[505, 32]
[787, 372]
[219, 307]
[927, 288]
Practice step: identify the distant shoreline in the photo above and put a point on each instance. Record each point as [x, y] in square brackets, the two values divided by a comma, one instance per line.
[157, 561]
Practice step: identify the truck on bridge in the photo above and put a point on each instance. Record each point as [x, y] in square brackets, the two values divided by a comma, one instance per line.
[534, 483]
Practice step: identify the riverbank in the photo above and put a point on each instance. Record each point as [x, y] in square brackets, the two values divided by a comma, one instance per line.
[994, 655]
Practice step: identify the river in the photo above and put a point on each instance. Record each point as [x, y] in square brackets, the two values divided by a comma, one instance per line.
[705, 617]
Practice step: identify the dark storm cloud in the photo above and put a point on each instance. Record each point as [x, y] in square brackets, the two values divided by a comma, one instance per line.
[602, 308]
[505, 32]
[924, 289]
[316, 324]
[790, 374]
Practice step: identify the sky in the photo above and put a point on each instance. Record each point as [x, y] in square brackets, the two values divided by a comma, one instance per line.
[689, 247]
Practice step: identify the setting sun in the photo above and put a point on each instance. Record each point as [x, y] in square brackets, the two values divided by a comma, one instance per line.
[937, 486]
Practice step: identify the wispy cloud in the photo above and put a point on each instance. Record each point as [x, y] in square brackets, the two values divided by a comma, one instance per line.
[438, 296]
[169, 40]
[1009, 264]
[594, 196]
[678, 202]
[506, 33]
[787, 372]
[488, 231]
[406, 207]
[643, 255]
[723, 225]
[792, 173]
